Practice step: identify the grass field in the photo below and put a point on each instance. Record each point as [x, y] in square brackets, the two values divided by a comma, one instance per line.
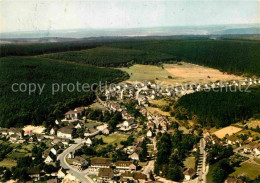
[247, 169]
[159, 103]
[154, 109]
[191, 73]
[139, 72]
[114, 138]
[97, 106]
[180, 73]
[91, 125]
[8, 163]
[257, 160]
[189, 162]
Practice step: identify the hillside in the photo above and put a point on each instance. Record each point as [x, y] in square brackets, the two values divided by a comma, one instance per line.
[20, 108]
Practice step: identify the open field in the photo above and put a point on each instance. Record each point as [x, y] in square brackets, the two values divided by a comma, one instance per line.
[97, 106]
[154, 109]
[180, 73]
[209, 175]
[8, 163]
[247, 169]
[159, 103]
[230, 130]
[139, 73]
[114, 138]
[191, 73]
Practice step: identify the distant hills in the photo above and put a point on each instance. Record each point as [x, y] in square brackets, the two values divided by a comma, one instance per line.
[133, 32]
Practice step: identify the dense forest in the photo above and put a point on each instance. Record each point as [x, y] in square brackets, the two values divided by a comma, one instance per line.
[112, 57]
[21, 108]
[220, 109]
[232, 56]
[227, 55]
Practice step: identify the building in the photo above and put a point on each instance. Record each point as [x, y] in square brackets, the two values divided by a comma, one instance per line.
[74, 114]
[79, 162]
[61, 173]
[149, 133]
[97, 163]
[233, 180]
[52, 131]
[88, 142]
[125, 165]
[105, 174]
[49, 159]
[134, 156]
[65, 132]
[189, 173]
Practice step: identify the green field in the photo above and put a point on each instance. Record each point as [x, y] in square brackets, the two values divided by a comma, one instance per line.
[9, 163]
[247, 169]
[139, 72]
[189, 162]
[114, 138]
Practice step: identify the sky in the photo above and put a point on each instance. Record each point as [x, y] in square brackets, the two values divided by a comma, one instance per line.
[34, 15]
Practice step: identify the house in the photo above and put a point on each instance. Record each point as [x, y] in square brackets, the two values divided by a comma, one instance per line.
[53, 151]
[97, 163]
[128, 123]
[149, 133]
[233, 180]
[66, 132]
[134, 156]
[79, 162]
[79, 125]
[150, 126]
[106, 131]
[88, 142]
[134, 177]
[125, 165]
[34, 173]
[189, 173]
[39, 137]
[231, 140]
[49, 159]
[74, 114]
[14, 138]
[52, 131]
[105, 174]
[61, 173]
[28, 133]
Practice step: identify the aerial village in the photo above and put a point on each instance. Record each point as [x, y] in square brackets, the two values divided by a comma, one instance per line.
[114, 139]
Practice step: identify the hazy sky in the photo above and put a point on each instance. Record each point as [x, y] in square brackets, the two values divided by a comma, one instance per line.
[27, 15]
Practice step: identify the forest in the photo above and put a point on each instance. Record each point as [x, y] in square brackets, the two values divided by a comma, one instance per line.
[228, 55]
[223, 108]
[21, 108]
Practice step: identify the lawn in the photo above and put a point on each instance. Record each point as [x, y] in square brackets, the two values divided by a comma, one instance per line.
[257, 160]
[69, 161]
[97, 106]
[247, 169]
[154, 109]
[159, 103]
[114, 138]
[139, 72]
[189, 162]
[8, 163]
[91, 125]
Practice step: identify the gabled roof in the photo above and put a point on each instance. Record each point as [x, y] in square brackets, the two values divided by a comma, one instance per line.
[100, 161]
[105, 172]
[189, 171]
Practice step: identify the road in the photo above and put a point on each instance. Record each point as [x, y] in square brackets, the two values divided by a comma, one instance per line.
[202, 168]
[83, 177]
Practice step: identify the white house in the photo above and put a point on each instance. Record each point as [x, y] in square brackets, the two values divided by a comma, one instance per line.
[149, 133]
[52, 131]
[88, 142]
[53, 151]
[189, 173]
[134, 156]
[65, 132]
[61, 173]
[48, 160]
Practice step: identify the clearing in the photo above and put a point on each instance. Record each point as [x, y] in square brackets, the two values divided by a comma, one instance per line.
[114, 138]
[180, 73]
[189, 162]
[229, 130]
